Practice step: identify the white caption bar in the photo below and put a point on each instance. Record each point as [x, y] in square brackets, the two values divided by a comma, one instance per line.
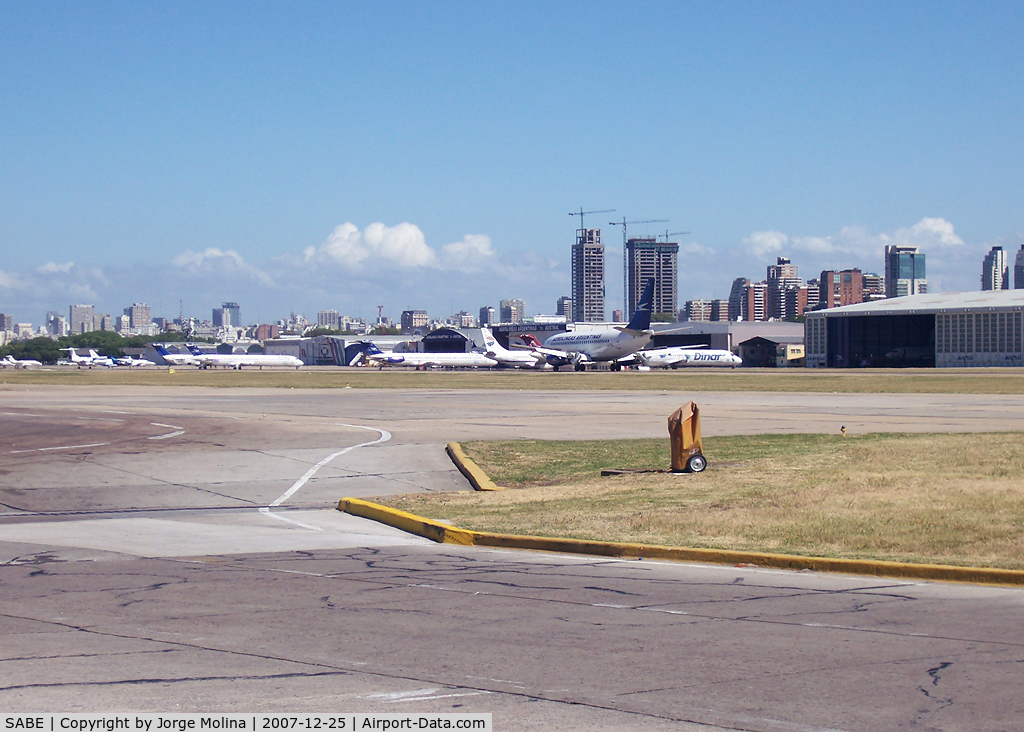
[346, 722]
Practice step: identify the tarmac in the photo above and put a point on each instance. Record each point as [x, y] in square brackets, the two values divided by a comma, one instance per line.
[180, 550]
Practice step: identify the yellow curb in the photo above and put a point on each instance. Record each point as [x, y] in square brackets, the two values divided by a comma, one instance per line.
[478, 478]
[433, 530]
[444, 533]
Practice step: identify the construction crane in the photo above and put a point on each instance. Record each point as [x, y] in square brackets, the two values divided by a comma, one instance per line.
[674, 233]
[625, 259]
[581, 213]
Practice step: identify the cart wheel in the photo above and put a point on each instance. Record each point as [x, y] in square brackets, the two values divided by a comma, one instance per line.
[697, 464]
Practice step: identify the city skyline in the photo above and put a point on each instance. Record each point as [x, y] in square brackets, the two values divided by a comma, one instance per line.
[297, 157]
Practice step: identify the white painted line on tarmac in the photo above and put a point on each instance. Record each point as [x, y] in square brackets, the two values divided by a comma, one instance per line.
[114, 411]
[62, 447]
[384, 437]
[178, 431]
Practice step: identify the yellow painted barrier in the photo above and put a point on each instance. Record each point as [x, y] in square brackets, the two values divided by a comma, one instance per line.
[443, 533]
[477, 478]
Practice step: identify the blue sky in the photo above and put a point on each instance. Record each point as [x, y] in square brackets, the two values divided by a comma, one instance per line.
[301, 156]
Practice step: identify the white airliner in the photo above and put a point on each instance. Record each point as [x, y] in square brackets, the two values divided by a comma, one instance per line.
[580, 347]
[671, 358]
[238, 360]
[530, 359]
[93, 359]
[376, 357]
[175, 359]
[18, 363]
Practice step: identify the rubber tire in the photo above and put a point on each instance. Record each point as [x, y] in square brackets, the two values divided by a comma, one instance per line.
[697, 464]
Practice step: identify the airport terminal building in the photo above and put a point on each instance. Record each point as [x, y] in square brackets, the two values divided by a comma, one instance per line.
[942, 330]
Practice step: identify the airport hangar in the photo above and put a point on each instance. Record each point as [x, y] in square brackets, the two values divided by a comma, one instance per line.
[941, 330]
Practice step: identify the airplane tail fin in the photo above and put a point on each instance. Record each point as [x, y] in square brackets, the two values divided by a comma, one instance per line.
[162, 350]
[93, 354]
[194, 349]
[530, 340]
[491, 344]
[641, 319]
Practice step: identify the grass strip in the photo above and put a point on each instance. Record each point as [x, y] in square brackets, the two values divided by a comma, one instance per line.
[854, 381]
[926, 498]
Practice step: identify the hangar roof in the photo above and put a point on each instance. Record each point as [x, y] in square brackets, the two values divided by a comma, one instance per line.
[943, 302]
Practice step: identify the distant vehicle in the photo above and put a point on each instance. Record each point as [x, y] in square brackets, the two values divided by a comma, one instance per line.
[175, 359]
[238, 360]
[376, 357]
[93, 359]
[133, 363]
[580, 347]
[673, 358]
[18, 363]
[526, 359]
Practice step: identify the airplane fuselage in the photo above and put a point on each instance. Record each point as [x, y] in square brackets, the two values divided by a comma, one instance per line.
[599, 345]
[676, 357]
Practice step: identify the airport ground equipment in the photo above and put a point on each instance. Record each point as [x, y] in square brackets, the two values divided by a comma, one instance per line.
[684, 437]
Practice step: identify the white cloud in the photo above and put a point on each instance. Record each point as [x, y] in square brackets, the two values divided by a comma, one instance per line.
[10, 281]
[222, 263]
[379, 246]
[54, 268]
[765, 244]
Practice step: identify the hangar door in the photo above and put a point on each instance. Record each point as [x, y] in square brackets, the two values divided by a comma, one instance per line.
[881, 341]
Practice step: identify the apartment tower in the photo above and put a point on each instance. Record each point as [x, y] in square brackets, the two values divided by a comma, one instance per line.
[588, 277]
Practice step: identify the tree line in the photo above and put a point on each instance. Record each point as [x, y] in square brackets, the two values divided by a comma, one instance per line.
[106, 342]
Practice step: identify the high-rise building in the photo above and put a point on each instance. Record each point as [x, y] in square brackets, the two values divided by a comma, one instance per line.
[487, 316]
[56, 324]
[564, 308]
[995, 274]
[6, 322]
[329, 319]
[873, 286]
[739, 286]
[512, 311]
[588, 277]
[647, 258]
[748, 300]
[812, 295]
[782, 277]
[138, 317]
[1018, 270]
[719, 310]
[697, 310]
[80, 318]
[228, 315]
[123, 324]
[904, 271]
[413, 319]
[838, 288]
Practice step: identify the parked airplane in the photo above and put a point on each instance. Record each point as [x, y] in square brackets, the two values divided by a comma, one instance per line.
[93, 359]
[98, 360]
[133, 363]
[376, 357]
[18, 363]
[175, 359]
[580, 347]
[238, 360]
[667, 358]
[530, 359]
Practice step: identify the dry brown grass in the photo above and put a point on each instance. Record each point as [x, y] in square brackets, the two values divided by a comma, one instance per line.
[906, 381]
[949, 499]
